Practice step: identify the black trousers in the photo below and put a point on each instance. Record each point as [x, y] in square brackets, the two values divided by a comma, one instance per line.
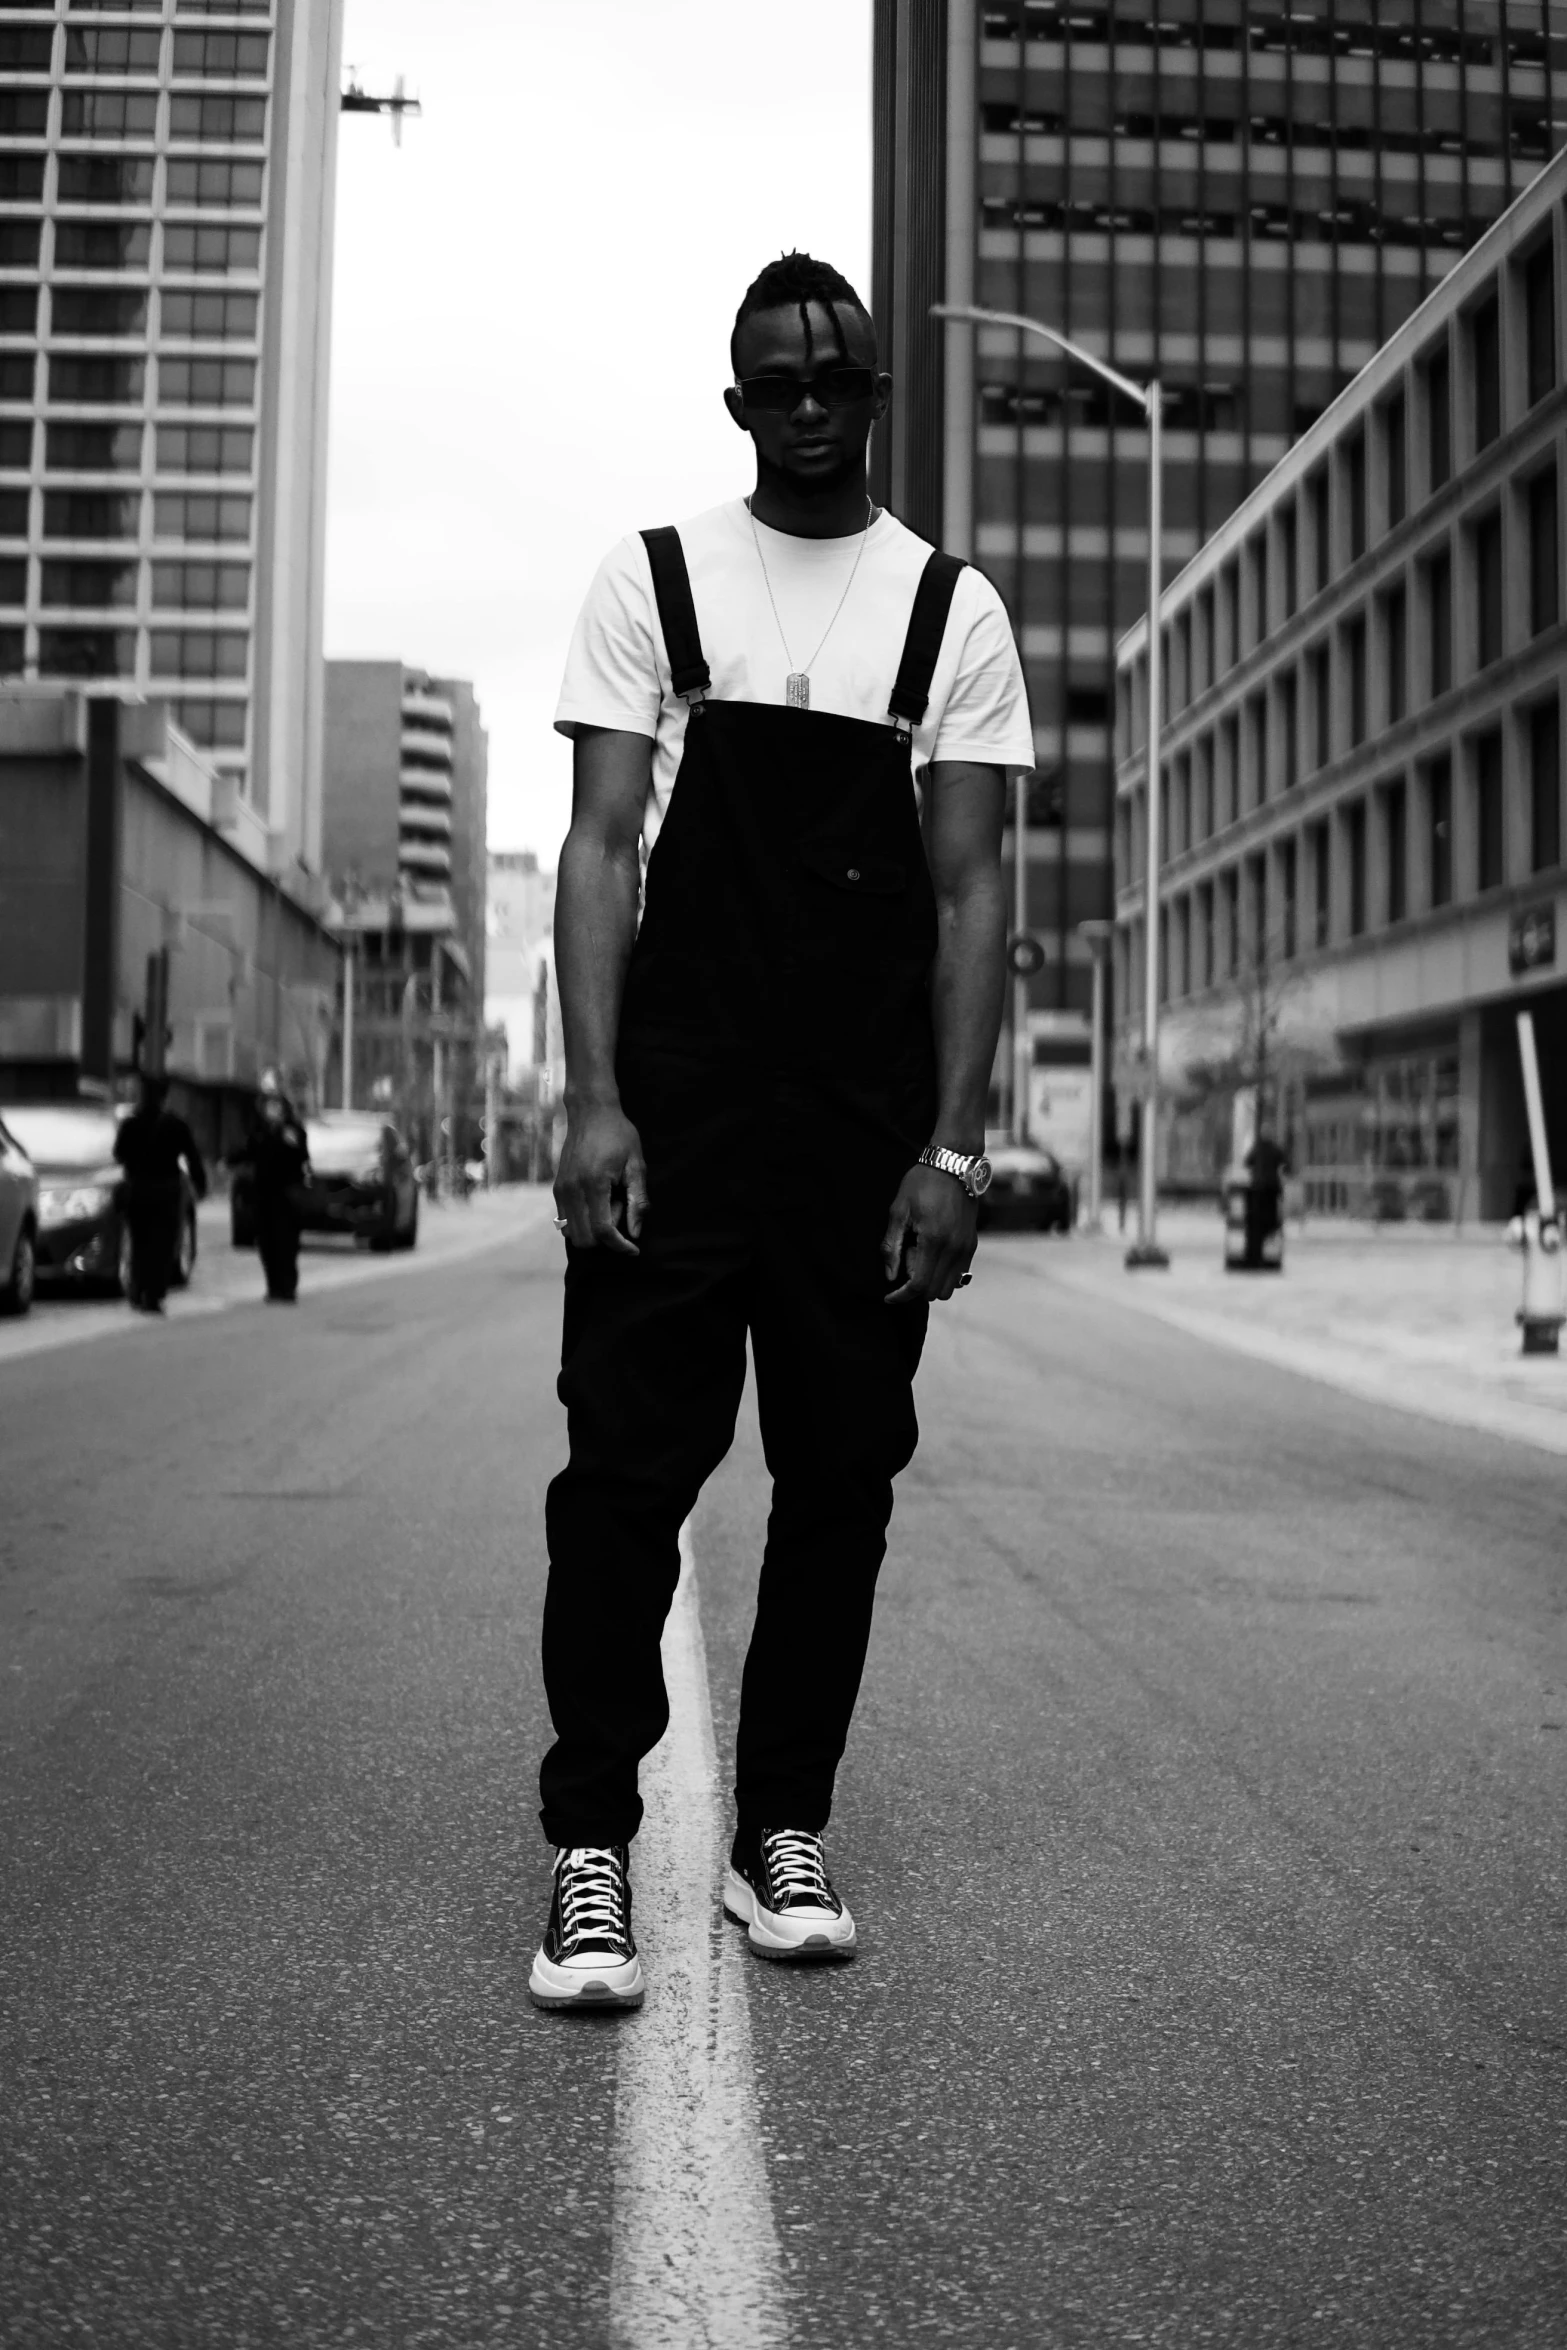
[153, 1213]
[741, 1238]
[277, 1238]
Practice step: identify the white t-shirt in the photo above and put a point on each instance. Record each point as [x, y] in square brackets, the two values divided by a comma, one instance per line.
[617, 672]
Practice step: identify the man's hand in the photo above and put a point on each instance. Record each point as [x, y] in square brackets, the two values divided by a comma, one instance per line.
[601, 1184]
[934, 1216]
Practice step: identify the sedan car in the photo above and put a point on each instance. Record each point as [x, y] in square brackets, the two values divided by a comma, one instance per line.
[1027, 1191]
[18, 1225]
[82, 1236]
[361, 1182]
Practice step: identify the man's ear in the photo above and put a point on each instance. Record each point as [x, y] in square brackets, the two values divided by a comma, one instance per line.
[883, 397]
[735, 403]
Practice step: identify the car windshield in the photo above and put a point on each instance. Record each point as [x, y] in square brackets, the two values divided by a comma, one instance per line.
[63, 1137]
[335, 1148]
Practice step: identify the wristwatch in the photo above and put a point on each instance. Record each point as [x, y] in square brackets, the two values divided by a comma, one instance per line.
[973, 1174]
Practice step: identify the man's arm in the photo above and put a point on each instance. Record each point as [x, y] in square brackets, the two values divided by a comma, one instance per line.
[601, 1175]
[967, 810]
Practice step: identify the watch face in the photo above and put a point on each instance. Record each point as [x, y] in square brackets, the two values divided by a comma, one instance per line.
[979, 1176]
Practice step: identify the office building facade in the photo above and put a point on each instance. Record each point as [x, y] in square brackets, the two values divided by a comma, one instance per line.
[1242, 201]
[166, 198]
[1363, 881]
[404, 857]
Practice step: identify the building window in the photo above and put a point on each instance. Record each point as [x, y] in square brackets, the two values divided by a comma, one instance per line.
[1287, 914]
[13, 580]
[96, 383]
[1355, 492]
[1183, 658]
[109, 49]
[1544, 594]
[26, 49]
[1230, 611]
[1207, 963]
[203, 181]
[16, 447]
[1321, 884]
[24, 114]
[1395, 648]
[109, 114]
[229, 122]
[105, 179]
[89, 587]
[229, 57]
[13, 646]
[1259, 586]
[1490, 827]
[207, 383]
[86, 652]
[198, 653]
[1183, 946]
[1230, 769]
[1439, 622]
[1257, 711]
[1485, 350]
[1439, 416]
[1208, 651]
[200, 516]
[1204, 808]
[1355, 863]
[1539, 305]
[1230, 883]
[100, 244]
[13, 514]
[1545, 786]
[205, 448]
[1439, 829]
[1488, 589]
[90, 514]
[1322, 705]
[1181, 806]
[1395, 849]
[1395, 440]
[1289, 727]
[204, 249]
[1355, 676]
[1258, 877]
[22, 179]
[1289, 557]
[210, 318]
[105, 312]
[92, 448]
[200, 587]
[1321, 534]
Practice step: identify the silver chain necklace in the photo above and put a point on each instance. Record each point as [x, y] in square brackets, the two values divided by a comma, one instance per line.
[797, 685]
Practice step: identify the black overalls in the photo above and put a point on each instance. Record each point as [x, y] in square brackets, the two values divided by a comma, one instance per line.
[777, 1058]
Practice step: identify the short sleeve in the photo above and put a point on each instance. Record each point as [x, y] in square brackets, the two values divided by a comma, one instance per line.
[612, 669]
[985, 716]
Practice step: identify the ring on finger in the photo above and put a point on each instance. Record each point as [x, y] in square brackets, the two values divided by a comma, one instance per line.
[560, 1223]
[963, 1280]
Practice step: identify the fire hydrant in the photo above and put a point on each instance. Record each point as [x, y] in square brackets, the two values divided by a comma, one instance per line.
[1542, 1313]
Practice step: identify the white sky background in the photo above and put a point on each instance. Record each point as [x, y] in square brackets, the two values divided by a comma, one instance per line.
[532, 306]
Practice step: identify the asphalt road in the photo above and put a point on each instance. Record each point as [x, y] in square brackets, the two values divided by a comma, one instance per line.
[1204, 1820]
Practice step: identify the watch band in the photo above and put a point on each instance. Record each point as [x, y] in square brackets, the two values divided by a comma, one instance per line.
[948, 1162]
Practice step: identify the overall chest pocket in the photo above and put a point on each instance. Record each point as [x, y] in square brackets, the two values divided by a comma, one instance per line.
[851, 902]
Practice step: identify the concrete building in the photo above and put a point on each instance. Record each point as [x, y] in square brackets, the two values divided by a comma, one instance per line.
[1362, 767]
[520, 923]
[403, 851]
[166, 204]
[111, 854]
[1243, 200]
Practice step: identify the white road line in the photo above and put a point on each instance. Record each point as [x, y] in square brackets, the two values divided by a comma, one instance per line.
[696, 2264]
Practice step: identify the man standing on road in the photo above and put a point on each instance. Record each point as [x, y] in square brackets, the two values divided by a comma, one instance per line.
[150, 1145]
[775, 1097]
[278, 1156]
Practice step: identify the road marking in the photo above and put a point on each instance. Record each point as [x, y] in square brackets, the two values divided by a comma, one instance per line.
[696, 2263]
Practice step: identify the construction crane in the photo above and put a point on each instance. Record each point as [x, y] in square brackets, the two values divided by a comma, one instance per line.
[356, 99]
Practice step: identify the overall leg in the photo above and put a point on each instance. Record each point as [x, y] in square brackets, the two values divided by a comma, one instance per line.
[834, 1373]
[653, 1365]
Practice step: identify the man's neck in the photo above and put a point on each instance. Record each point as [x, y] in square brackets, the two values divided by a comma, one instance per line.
[833, 513]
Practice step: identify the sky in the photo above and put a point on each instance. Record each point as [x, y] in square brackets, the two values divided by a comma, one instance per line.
[531, 311]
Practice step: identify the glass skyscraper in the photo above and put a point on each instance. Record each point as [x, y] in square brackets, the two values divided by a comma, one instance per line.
[166, 180]
[1243, 201]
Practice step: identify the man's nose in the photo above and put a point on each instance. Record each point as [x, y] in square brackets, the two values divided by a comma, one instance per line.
[807, 406]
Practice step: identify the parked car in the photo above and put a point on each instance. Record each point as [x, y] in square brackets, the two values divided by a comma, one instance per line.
[18, 1225]
[361, 1182]
[82, 1236]
[1027, 1191]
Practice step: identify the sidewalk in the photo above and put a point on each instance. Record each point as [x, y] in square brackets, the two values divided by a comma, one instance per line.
[1414, 1316]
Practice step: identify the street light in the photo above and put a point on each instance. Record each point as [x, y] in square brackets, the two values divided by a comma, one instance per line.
[1149, 398]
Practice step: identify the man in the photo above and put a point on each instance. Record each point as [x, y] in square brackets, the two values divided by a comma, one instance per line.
[775, 1097]
[151, 1145]
[278, 1156]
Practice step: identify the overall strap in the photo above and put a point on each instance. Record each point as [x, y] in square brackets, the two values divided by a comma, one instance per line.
[677, 614]
[922, 645]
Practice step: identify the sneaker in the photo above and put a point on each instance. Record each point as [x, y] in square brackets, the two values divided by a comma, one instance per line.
[779, 1888]
[587, 1958]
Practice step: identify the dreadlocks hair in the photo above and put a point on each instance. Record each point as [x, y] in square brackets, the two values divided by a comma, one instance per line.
[800, 278]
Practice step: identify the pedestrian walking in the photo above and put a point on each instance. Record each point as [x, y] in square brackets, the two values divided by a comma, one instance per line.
[278, 1156]
[152, 1145]
[775, 1097]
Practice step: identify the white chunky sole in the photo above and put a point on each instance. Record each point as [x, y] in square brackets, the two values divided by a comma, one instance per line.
[775, 1935]
[586, 1987]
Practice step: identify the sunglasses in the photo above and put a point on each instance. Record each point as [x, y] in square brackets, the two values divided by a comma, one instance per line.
[835, 387]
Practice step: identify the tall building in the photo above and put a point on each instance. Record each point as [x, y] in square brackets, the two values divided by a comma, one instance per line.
[1243, 201]
[403, 852]
[166, 200]
[1363, 882]
[520, 924]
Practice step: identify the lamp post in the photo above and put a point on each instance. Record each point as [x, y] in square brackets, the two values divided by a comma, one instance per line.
[1148, 398]
[1097, 937]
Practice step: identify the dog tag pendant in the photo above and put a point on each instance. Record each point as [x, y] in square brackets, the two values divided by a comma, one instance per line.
[797, 690]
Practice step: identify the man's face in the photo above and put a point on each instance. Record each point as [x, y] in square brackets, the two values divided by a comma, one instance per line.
[815, 444]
